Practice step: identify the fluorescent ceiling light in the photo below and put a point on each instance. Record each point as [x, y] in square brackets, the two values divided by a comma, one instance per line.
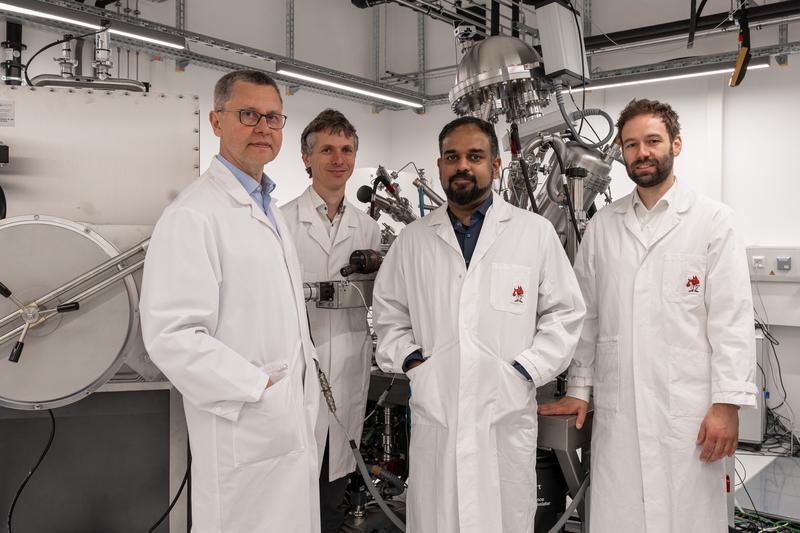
[145, 38]
[50, 16]
[351, 87]
[33, 8]
[673, 74]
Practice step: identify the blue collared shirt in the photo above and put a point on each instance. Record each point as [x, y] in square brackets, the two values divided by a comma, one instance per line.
[259, 192]
[467, 236]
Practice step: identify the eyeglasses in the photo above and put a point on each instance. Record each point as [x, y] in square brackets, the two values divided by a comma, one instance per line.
[248, 117]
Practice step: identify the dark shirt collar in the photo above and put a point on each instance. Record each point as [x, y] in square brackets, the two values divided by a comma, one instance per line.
[479, 213]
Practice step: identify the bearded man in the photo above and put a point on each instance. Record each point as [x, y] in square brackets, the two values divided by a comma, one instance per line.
[478, 304]
[667, 350]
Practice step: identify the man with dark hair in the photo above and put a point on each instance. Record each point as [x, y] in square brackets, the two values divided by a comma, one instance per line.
[478, 304]
[223, 316]
[485, 127]
[667, 349]
[327, 228]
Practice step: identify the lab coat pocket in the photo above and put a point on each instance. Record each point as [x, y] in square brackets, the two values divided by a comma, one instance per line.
[689, 382]
[606, 375]
[684, 278]
[514, 396]
[511, 288]
[268, 428]
[425, 401]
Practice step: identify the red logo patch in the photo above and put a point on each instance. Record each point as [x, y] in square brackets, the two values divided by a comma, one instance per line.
[519, 295]
[693, 284]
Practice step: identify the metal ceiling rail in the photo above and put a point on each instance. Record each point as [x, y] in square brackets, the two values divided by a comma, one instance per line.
[223, 63]
[682, 36]
[670, 65]
[725, 57]
[786, 8]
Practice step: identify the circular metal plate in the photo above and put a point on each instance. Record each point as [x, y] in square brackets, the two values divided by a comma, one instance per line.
[72, 354]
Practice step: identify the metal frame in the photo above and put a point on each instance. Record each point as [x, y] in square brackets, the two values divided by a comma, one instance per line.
[727, 57]
[783, 39]
[228, 46]
[380, 86]
[290, 28]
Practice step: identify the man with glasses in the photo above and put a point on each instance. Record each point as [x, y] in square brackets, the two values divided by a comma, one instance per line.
[223, 316]
[327, 229]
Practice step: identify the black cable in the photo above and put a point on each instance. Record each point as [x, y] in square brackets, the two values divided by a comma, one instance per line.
[763, 375]
[583, 70]
[597, 135]
[523, 165]
[406, 424]
[560, 160]
[744, 477]
[693, 16]
[33, 470]
[780, 375]
[3, 204]
[571, 208]
[178, 495]
[372, 199]
[748, 494]
[773, 342]
[66, 38]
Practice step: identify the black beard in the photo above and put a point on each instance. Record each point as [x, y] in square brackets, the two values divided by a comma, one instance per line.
[464, 195]
[663, 170]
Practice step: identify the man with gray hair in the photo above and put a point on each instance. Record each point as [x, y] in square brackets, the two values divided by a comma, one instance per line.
[223, 316]
[327, 229]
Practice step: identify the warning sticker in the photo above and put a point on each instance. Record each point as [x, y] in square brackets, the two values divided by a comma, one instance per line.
[6, 114]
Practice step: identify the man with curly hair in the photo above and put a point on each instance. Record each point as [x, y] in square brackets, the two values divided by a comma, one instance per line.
[667, 348]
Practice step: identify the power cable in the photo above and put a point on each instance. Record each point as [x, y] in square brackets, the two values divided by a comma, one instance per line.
[33, 470]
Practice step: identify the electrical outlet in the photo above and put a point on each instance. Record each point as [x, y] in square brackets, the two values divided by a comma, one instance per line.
[772, 264]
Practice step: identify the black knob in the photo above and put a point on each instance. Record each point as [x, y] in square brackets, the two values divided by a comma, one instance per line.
[364, 194]
[5, 292]
[16, 352]
[576, 172]
[362, 262]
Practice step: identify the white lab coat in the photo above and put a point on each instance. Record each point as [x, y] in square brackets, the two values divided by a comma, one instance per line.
[341, 337]
[659, 350]
[222, 312]
[474, 422]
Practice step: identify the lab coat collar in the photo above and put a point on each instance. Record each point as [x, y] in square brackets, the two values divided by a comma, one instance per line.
[308, 214]
[348, 225]
[493, 225]
[681, 202]
[225, 179]
[499, 208]
[499, 212]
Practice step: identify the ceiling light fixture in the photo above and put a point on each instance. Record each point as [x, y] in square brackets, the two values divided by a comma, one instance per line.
[672, 74]
[32, 8]
[348, 86]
